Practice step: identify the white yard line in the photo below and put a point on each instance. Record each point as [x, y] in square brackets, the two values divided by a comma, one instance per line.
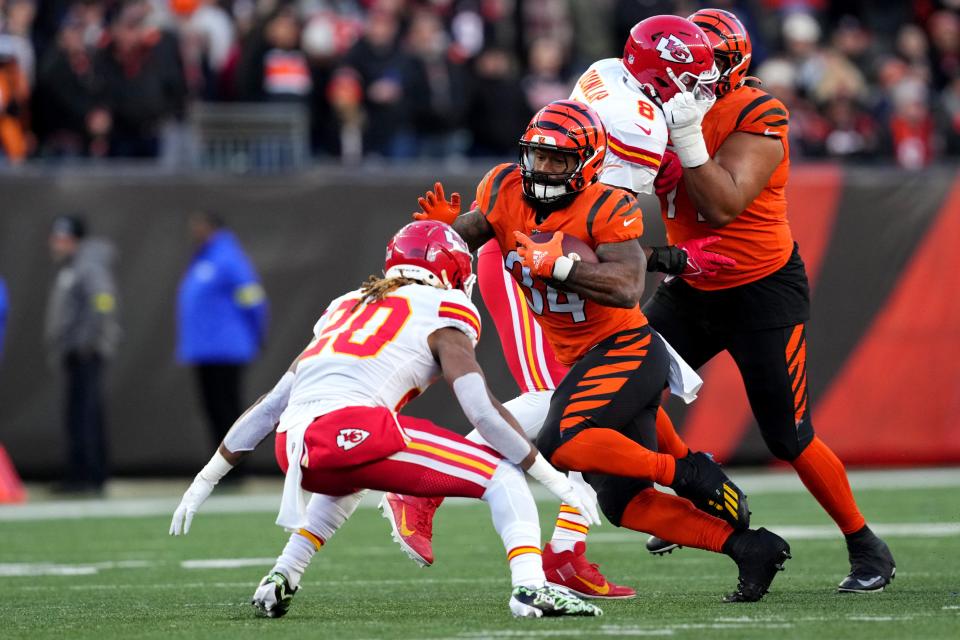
[268, 502]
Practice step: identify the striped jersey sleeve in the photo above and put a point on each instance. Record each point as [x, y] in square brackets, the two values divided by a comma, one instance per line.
[488, 191]
[764, 115]
[614, 216]
[457, 311]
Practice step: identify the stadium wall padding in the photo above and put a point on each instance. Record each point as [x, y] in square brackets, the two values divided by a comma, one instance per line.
[884, 340]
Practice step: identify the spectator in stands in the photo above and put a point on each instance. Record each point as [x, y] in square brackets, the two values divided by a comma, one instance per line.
[18, 26]
[208, 45]
[67, 117]
[437, 89]
[142, 82]
[14, 98]
[221, 319]
[273, 67]
[379, 63]
[81, 336]
[911, 127]
[498, 106]
[944, 28]
[546, 80]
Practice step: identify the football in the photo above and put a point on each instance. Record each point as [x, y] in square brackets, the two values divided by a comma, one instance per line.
[573, 247]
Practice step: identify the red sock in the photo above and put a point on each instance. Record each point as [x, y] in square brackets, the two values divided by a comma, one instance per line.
[824, 476]
[602, 450]
[676, 520]
[668, 441]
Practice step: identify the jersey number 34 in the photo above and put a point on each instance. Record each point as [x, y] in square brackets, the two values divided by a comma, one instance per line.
[573, 305]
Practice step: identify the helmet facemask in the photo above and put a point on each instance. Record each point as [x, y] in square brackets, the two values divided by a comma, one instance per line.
[545, 186]
[703, 86]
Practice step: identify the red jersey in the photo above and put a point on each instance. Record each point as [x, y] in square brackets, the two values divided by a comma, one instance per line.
[600, 214]
[759, 239]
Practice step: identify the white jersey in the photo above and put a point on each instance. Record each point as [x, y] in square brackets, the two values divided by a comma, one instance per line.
[377, 354]
[636, 127]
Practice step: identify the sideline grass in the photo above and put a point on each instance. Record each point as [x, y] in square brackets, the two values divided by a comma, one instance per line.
[125, 580]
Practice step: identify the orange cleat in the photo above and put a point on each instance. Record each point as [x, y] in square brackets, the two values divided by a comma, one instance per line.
[572, 571]
[411, 519]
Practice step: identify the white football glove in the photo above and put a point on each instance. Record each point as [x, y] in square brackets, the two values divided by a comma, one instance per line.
[574, 494]
[199, 490]
[684, 113]
[195, 496]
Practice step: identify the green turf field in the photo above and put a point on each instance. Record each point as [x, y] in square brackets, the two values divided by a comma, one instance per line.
[125, 577]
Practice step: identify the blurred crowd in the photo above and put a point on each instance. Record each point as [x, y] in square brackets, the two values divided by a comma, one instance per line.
[864, 80]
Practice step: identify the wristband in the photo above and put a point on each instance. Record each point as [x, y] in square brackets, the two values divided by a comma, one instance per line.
[216, 468]
[691, 149]
[669, 259]
[544, 473]
[562, 267]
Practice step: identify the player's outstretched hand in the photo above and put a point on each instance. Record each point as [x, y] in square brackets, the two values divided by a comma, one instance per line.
[435, 206]
[702, 264]
[539, 257]
[195, 496]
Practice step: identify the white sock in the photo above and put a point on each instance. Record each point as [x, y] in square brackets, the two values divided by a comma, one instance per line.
[325, 515]
[515, 518]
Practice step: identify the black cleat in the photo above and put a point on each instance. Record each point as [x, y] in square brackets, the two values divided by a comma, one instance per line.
[699, 479]
[759, 555]
[273, 595]
[872, 567]
[659, 546]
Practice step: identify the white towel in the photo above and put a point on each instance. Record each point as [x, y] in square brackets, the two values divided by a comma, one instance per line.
[684, 381]
[293, 504]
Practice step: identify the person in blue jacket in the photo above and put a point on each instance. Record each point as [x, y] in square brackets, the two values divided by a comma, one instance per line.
[221, 319]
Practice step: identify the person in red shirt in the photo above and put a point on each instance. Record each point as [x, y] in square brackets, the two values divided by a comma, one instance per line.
[736, 159]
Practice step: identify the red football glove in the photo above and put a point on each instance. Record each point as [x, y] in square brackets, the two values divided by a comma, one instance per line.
[670, 174]
[434, 206]
[540, 258]
[702, 265]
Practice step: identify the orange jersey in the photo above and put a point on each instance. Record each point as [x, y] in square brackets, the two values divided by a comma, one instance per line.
[600, 214]
[759, 239]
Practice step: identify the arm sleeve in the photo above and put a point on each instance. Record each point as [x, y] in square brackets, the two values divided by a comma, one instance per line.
[254, 425]
[471, 392]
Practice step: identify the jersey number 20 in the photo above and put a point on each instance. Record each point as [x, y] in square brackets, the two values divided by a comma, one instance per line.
[370, 328]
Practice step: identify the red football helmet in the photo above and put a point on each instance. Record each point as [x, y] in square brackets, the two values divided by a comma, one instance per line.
[731, 46]
[566, 127]
[669, 54]
[430, 252]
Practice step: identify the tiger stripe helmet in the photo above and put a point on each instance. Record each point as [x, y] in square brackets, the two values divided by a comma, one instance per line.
[569, 127]
[731, 46]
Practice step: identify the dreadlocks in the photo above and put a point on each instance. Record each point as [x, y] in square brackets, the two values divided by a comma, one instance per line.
[376, 288]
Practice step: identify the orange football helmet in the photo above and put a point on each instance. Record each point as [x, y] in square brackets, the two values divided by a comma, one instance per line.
[567, 127]
[731, 46]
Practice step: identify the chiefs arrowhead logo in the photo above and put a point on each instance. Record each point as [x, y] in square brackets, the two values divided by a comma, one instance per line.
[349, 438]
[673, 49]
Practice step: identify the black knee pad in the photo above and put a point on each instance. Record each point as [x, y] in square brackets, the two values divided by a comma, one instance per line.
[786, 444]
[614, 493]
